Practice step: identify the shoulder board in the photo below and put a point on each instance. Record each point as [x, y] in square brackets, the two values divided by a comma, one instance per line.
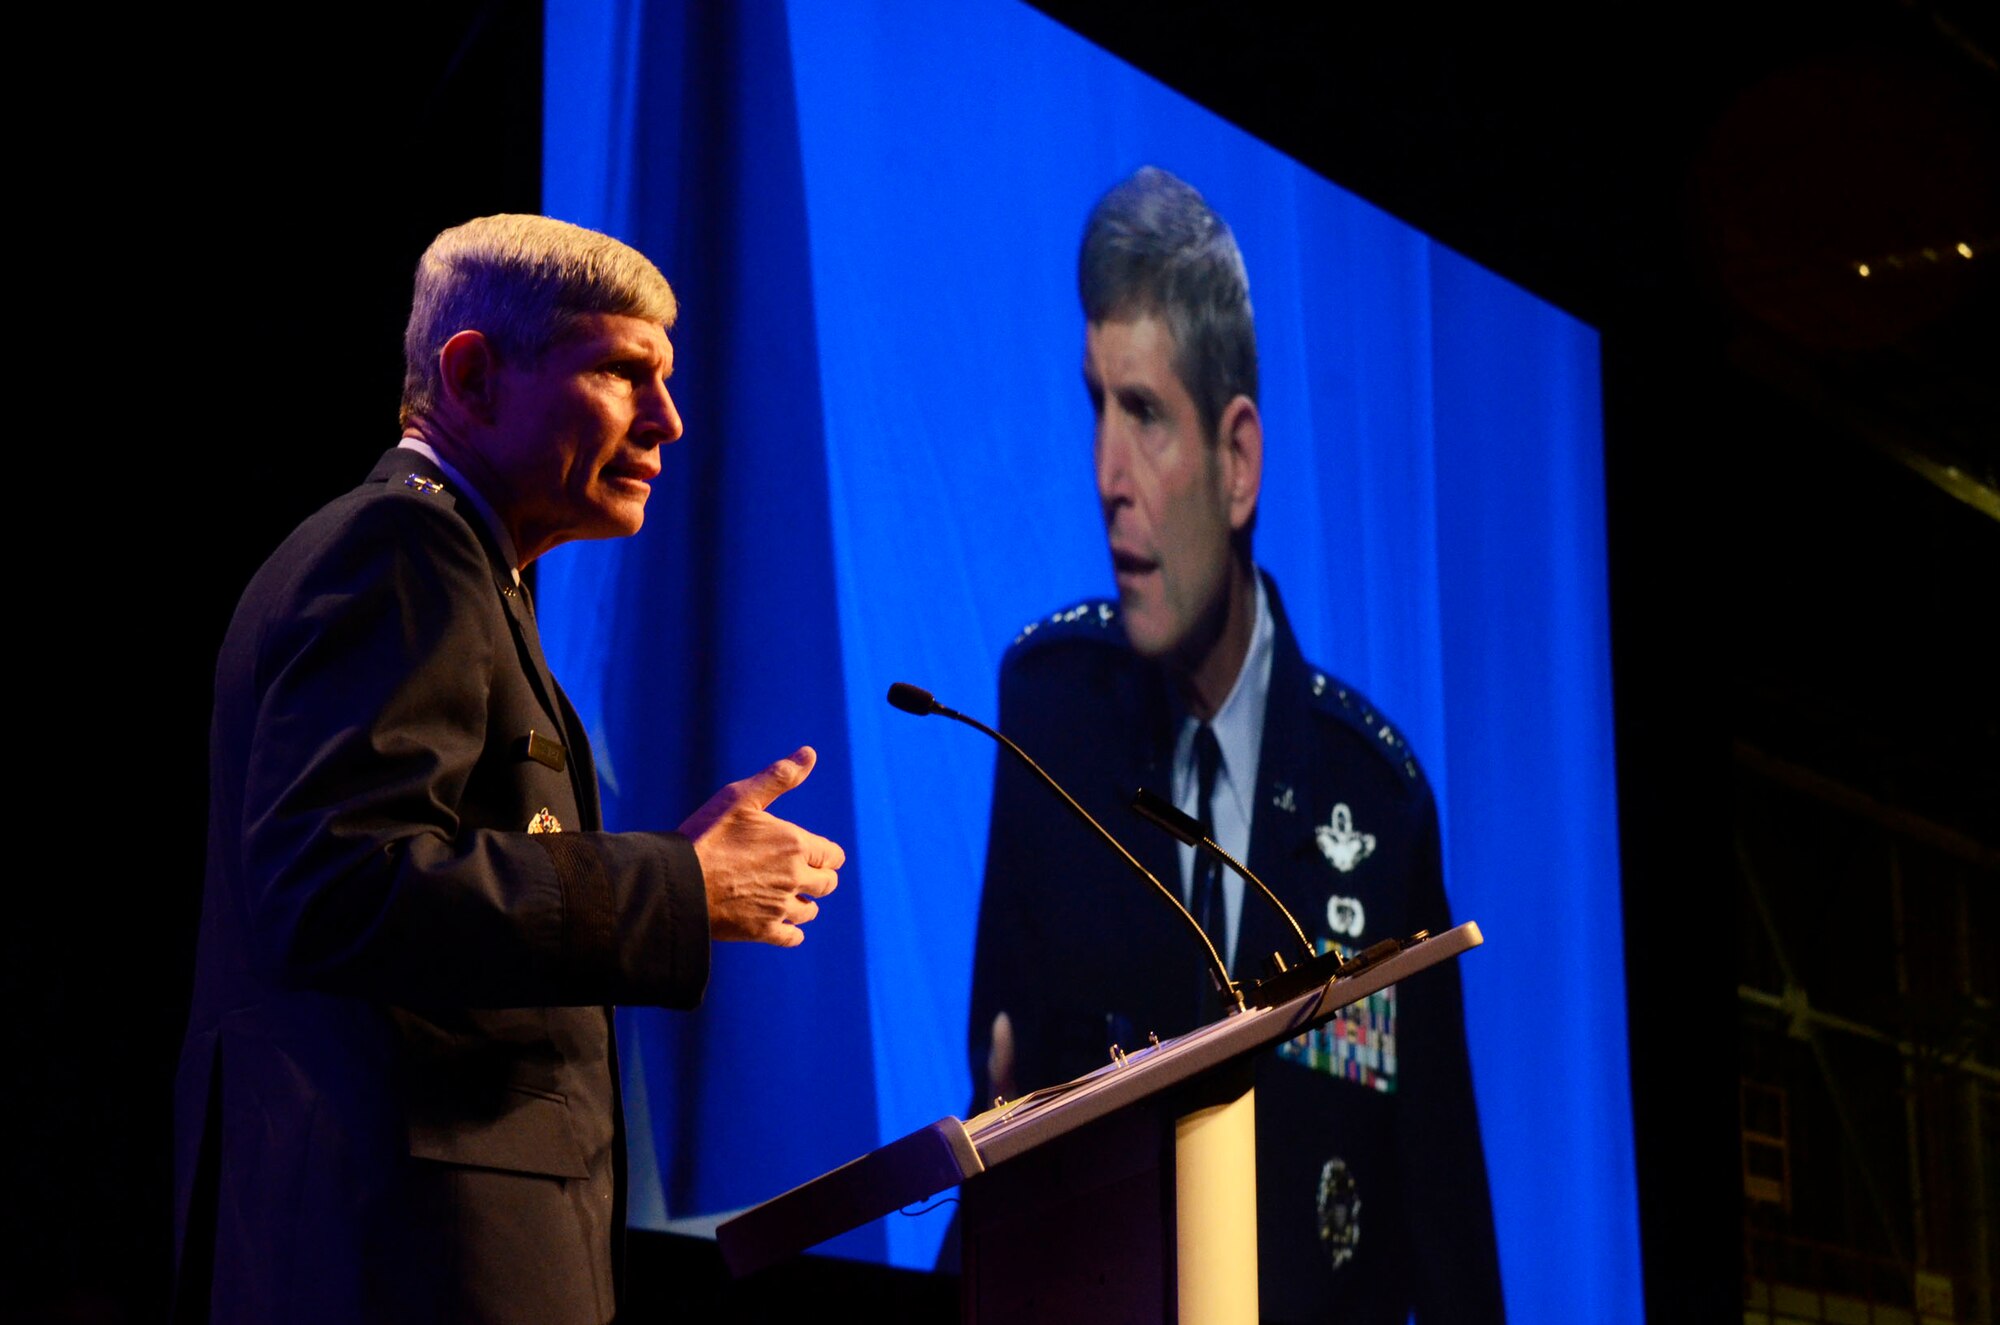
[1337, 699]
[1093, 618]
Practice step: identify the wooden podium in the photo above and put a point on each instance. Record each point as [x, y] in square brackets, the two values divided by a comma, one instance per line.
[1127, 1194]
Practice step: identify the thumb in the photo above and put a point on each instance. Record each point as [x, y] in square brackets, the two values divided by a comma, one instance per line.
[760, 789]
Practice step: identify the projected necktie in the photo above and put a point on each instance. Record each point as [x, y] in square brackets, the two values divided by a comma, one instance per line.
[1207, 869]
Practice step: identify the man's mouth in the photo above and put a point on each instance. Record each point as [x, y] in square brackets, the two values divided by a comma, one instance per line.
[1125, 562]
[636, 479]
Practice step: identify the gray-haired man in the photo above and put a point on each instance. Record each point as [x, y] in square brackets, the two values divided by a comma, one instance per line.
[398, 1099]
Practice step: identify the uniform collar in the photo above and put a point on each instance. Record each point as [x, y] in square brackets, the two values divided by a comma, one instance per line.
[462, 485]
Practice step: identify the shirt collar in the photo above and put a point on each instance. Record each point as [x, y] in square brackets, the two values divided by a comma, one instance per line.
[1239, 723]
[1239, 731]
[461, 484]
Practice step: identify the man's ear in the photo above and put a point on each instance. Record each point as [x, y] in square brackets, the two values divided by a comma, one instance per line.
[1240, 439]
[468, 372]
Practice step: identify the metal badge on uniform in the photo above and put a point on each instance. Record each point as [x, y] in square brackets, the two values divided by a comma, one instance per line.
[1340, 844]
[1344, 915]
[544, 822]
[1283, 799]
[1339, 1212]
[544, 751]
[430, 487]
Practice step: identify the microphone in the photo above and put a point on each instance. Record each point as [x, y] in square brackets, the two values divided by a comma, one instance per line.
[1186, 830]
[913, 699]
[1284, 982]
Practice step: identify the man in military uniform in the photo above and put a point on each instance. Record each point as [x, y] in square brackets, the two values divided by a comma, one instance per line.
[398, 1099]
[1371, 1181]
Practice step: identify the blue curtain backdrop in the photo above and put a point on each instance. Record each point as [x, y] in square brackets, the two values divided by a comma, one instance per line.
[871, 215]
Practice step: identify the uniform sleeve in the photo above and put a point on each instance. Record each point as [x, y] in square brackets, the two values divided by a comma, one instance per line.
[372, 863]
[1443, 1160]
[1005, 940]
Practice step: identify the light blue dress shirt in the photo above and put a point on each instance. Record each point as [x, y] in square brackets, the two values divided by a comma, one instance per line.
[1239, 731]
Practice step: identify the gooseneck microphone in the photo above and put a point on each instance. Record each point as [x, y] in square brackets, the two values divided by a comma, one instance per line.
[1283, 982]
[912, 699]
[1186, 830]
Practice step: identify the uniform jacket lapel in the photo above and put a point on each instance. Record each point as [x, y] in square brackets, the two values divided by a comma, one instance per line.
[401, 465]
[1291, 781]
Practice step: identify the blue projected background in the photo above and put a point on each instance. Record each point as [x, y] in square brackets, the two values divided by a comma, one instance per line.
[871, 217]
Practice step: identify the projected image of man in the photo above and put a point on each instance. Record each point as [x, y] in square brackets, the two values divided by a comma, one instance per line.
[1371, 1184]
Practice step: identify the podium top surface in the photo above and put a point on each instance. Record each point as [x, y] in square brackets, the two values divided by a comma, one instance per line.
[1011, 1129]
[951, 1151]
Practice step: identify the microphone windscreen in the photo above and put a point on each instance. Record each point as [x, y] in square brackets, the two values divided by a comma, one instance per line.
[910, 699]
[1184, 827]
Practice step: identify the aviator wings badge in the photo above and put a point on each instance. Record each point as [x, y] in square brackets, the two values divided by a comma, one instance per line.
[1340, 844]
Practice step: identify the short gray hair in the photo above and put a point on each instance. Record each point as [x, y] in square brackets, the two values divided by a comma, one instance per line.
[522, 281]
[1153, 246]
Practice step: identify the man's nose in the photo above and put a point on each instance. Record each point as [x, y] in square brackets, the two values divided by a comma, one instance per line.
[1114, 465]
[662, 417]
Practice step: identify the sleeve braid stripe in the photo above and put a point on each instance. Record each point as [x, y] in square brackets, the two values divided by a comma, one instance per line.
[588, 922]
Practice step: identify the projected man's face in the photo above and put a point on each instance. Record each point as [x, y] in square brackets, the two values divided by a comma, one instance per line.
[1171, 495]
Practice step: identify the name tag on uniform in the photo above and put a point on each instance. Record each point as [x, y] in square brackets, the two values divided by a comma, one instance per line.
[545, 751]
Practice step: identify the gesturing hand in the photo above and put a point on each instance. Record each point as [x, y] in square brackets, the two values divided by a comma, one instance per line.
[763, 873]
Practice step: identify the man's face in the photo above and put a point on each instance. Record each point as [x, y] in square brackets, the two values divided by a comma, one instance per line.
[1160, 482]
[577, 437]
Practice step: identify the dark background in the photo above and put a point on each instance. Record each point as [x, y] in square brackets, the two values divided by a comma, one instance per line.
[215, 256]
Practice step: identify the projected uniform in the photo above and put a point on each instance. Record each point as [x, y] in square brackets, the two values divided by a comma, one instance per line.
[416, 867]
[1371, 1183]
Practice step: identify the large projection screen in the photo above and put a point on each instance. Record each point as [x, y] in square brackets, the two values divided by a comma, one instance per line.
[871, 216]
